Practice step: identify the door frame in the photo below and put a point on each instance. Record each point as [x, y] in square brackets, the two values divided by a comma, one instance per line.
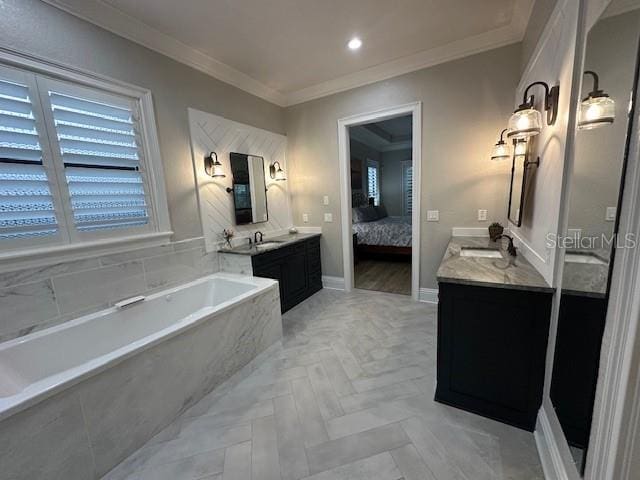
[415, 110]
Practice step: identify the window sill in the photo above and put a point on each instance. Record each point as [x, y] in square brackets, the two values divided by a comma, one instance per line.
[50, 255]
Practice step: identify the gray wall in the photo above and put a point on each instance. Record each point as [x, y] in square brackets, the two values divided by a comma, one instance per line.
[465, 105]
[539, 16]
[34, 27]
[391, 180]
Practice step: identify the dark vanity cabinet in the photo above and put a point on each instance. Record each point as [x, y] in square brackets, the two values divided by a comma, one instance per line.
[295, 266]
[492, 345]
[576, 361]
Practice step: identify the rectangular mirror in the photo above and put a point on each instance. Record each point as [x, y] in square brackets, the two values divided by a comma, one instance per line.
[519, 167]
[595, 187]
[249, 189]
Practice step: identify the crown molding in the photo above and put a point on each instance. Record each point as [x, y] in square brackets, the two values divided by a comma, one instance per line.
[427, 58]
[118, 22]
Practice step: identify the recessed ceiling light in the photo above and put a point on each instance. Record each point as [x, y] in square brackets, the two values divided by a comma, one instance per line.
[355, 43]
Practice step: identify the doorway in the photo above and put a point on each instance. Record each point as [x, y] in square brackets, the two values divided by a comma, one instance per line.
[380, 159]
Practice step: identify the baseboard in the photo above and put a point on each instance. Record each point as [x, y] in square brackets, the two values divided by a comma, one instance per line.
[548, 449]
[428, 295]
[333, 283]
[470, 231]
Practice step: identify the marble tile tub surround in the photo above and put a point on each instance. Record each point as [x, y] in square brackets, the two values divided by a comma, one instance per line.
[347, 396]
[35, 298]
[86, 430]
[506, 272]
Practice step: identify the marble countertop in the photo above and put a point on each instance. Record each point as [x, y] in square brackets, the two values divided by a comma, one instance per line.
[283, 241]
[586, 279]
[505, 272]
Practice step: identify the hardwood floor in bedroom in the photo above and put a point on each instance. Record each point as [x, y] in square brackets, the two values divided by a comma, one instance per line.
[383, 276]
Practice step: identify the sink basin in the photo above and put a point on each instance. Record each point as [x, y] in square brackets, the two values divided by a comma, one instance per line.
[480, 252]
[267, 245]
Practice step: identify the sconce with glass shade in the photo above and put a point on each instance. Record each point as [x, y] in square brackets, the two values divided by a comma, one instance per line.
[276, 172]
[501, 150]
[520, 147]
[526, 121]
[596, 109]
[213, 167]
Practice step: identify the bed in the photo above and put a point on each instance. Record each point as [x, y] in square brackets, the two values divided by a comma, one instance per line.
[376, 232]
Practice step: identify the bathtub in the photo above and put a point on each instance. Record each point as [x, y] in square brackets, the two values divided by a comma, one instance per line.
[106, 382]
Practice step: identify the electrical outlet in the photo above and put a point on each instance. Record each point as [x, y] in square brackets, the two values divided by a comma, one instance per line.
[482, 215]
[325, 200]
[328, 217]
[433, 215]
[305, 217]
[610, 216]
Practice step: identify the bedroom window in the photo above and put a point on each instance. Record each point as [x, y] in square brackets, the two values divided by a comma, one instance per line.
[76, 164]
[373, 181]
[407, 188]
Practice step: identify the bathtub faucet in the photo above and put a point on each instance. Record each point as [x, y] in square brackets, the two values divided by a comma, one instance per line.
[255, 237]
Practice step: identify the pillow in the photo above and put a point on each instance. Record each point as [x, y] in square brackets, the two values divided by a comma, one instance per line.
[369, 213]
[381, 211]
[357, 215]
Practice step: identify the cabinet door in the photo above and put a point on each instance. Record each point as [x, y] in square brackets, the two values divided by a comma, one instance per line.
[576, 362]
[491, 351]
[266, 267]
[313, 265]
[295, 276]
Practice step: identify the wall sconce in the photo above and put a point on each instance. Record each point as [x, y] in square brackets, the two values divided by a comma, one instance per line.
[276, 172]
[596, 109]
[520, 147]
[213, 167]
[501, 150]
[526, 121]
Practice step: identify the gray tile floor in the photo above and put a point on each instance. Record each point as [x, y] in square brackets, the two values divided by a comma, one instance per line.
[349, 396]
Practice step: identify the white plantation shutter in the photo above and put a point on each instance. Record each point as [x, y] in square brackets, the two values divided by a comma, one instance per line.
[373, 182]
[26, 201]
[407, 188]
[79, 164]
[103, 166]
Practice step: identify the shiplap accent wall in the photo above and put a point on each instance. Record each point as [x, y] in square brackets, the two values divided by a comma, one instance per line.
[214, 133]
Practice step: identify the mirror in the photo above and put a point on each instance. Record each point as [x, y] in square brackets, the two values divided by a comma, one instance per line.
[520, 168]
[589, 242]
[249, 189]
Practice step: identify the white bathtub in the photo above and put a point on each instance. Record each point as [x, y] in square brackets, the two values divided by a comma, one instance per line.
[78, 398]
[41, 364]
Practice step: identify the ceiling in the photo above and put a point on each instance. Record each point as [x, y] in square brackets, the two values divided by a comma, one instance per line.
[385, 136]
[289, 51]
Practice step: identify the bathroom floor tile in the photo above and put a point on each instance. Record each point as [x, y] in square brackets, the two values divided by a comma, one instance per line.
[349, 395]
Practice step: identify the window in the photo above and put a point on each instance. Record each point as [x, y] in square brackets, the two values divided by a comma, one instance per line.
[76, 163]
[407, 188]
[373, 181]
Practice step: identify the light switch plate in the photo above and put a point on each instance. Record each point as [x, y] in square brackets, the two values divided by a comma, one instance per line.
[325, 200]
[305, 217]
[433, 215]
[482, 215]
[328, 217]
[610, 216]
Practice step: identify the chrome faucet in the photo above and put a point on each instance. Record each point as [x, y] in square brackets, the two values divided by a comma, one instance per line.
[255, 237]
[510, 248]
